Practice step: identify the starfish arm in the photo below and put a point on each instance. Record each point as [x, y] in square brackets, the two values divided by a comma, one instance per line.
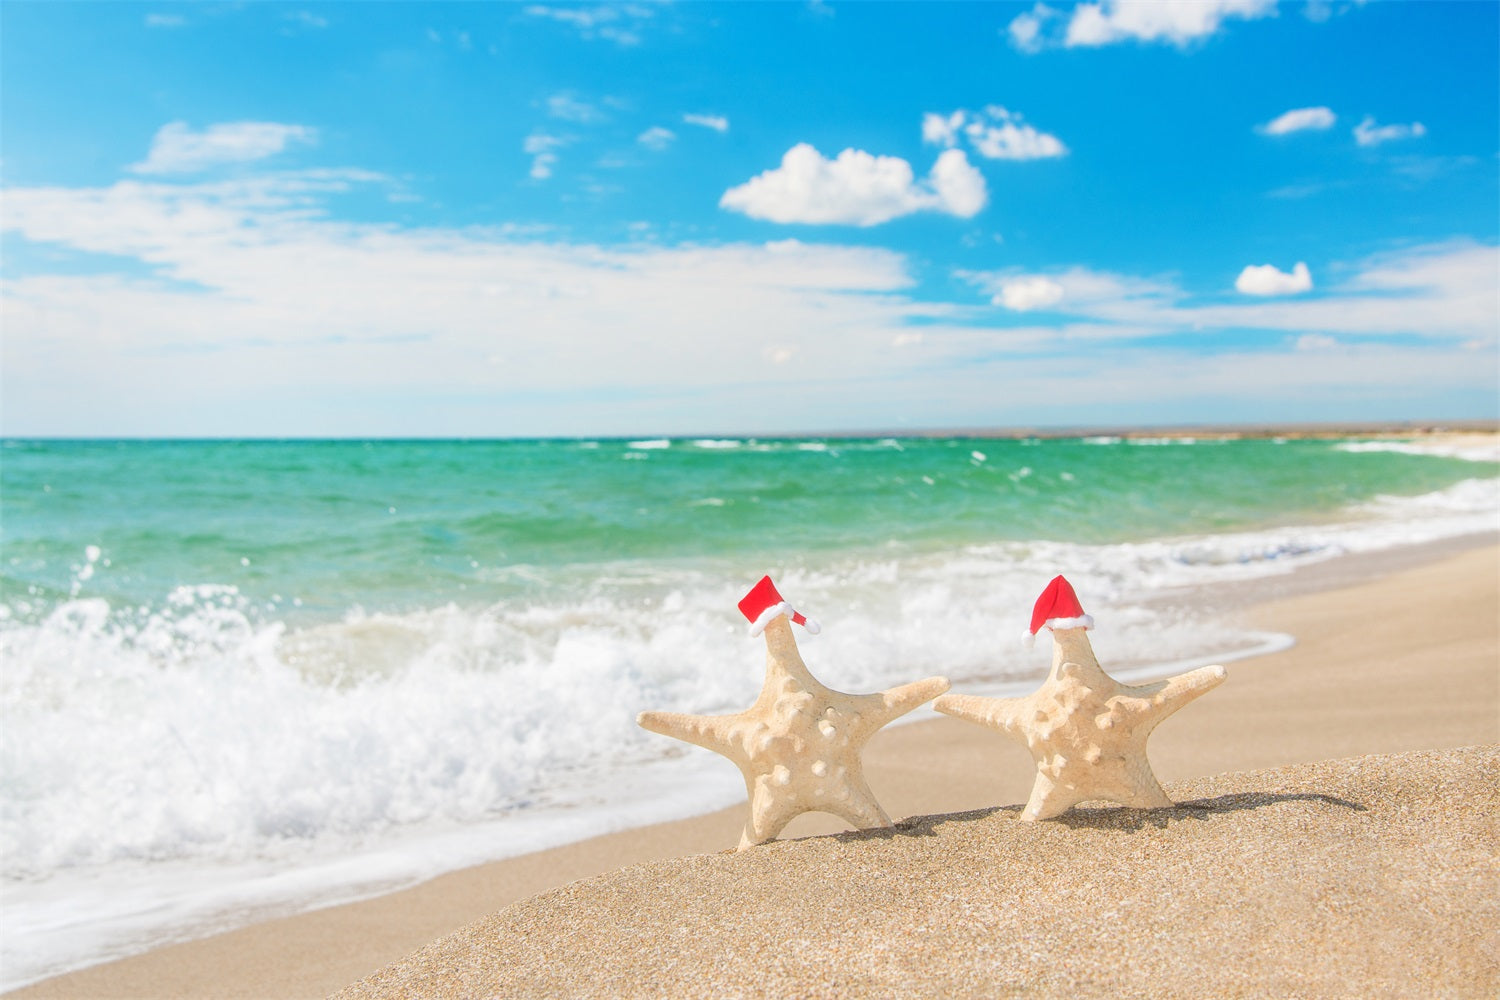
[1048, 800]
[708, 731]
[1156, 701]
[856, 805]
[1141, 789]
[897, 701]
[1000, 714]
[770, 812]
[862, 815]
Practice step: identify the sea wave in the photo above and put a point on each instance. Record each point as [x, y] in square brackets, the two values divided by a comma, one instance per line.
[212, 734]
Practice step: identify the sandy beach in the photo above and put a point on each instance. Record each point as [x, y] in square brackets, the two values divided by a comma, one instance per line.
[1252, 888]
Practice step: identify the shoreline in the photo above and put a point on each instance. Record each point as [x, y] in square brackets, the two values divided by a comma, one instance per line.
[1460, 427]
[938, 765]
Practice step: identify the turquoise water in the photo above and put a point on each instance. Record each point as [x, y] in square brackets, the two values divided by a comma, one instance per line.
[400, 525]
[244, 677]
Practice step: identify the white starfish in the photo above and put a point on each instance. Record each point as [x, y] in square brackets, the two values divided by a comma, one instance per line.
[1086, 731]
[799, 744]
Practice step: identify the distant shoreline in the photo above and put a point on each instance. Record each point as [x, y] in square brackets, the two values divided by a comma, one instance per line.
[1209, 432]
[1224, 432]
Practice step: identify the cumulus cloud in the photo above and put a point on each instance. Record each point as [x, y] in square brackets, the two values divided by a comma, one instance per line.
[942, 130]
[857, 188]
[994, 133]
[1265, 279]
[1299, 120]
[1028, 292]
[1108, 22]
[656, 138]
[177, 149]
[716, 122]
[1367, 133]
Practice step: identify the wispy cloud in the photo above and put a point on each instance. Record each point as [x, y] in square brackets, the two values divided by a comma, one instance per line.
[542, 148]
[235, 285]
[178, 149]
[1299, 120]
[567, 107]
[857, 188]
[1367, 133]
[621, 23]
[994, 133]
[656, 138]
[1091, 25]
[1444, 291]
[156, 20]
[716, 122]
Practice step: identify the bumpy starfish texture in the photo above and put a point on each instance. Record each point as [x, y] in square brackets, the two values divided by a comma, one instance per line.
[799, 744]
[1086, 731]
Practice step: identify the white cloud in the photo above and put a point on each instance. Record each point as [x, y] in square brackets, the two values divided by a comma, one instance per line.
[1299, 120]
[165, 21]
[570, 109]
[1265, 279]
[1109, 22]
[716, 122]
[1315, 342]
[253, 291]
[1026, 30]
[1028, 292]
[857, 189]
[995, 133]
[1131, 305]
[656, 138]
[541, 148]
[1367, 133]
[620, 23]
[248, 309]
[1442, 292]
[942, 130]
[177, 149]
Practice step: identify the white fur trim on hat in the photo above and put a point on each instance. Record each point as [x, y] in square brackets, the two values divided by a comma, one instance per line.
[769, 615]
[1028, 639]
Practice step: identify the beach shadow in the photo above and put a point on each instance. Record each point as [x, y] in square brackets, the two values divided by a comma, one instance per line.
[1125, 819]
[1100, 817]
[913, 826]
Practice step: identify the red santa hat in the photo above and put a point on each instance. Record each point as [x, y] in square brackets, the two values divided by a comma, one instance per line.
[1058, 607]
[763, 604]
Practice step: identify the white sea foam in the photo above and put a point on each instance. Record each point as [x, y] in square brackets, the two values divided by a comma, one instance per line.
[175, 769]
[1474, 448]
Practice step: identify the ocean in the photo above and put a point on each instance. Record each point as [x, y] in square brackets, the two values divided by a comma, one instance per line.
[241, 679]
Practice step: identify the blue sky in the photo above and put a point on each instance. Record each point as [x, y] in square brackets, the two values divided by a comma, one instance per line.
[526, 219]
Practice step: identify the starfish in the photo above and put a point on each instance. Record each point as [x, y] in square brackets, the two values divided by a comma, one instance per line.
[799, 744]
[1086, 731]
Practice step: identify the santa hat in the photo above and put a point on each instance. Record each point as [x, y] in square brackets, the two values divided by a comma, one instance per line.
[763, 604]
[1058, 607]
